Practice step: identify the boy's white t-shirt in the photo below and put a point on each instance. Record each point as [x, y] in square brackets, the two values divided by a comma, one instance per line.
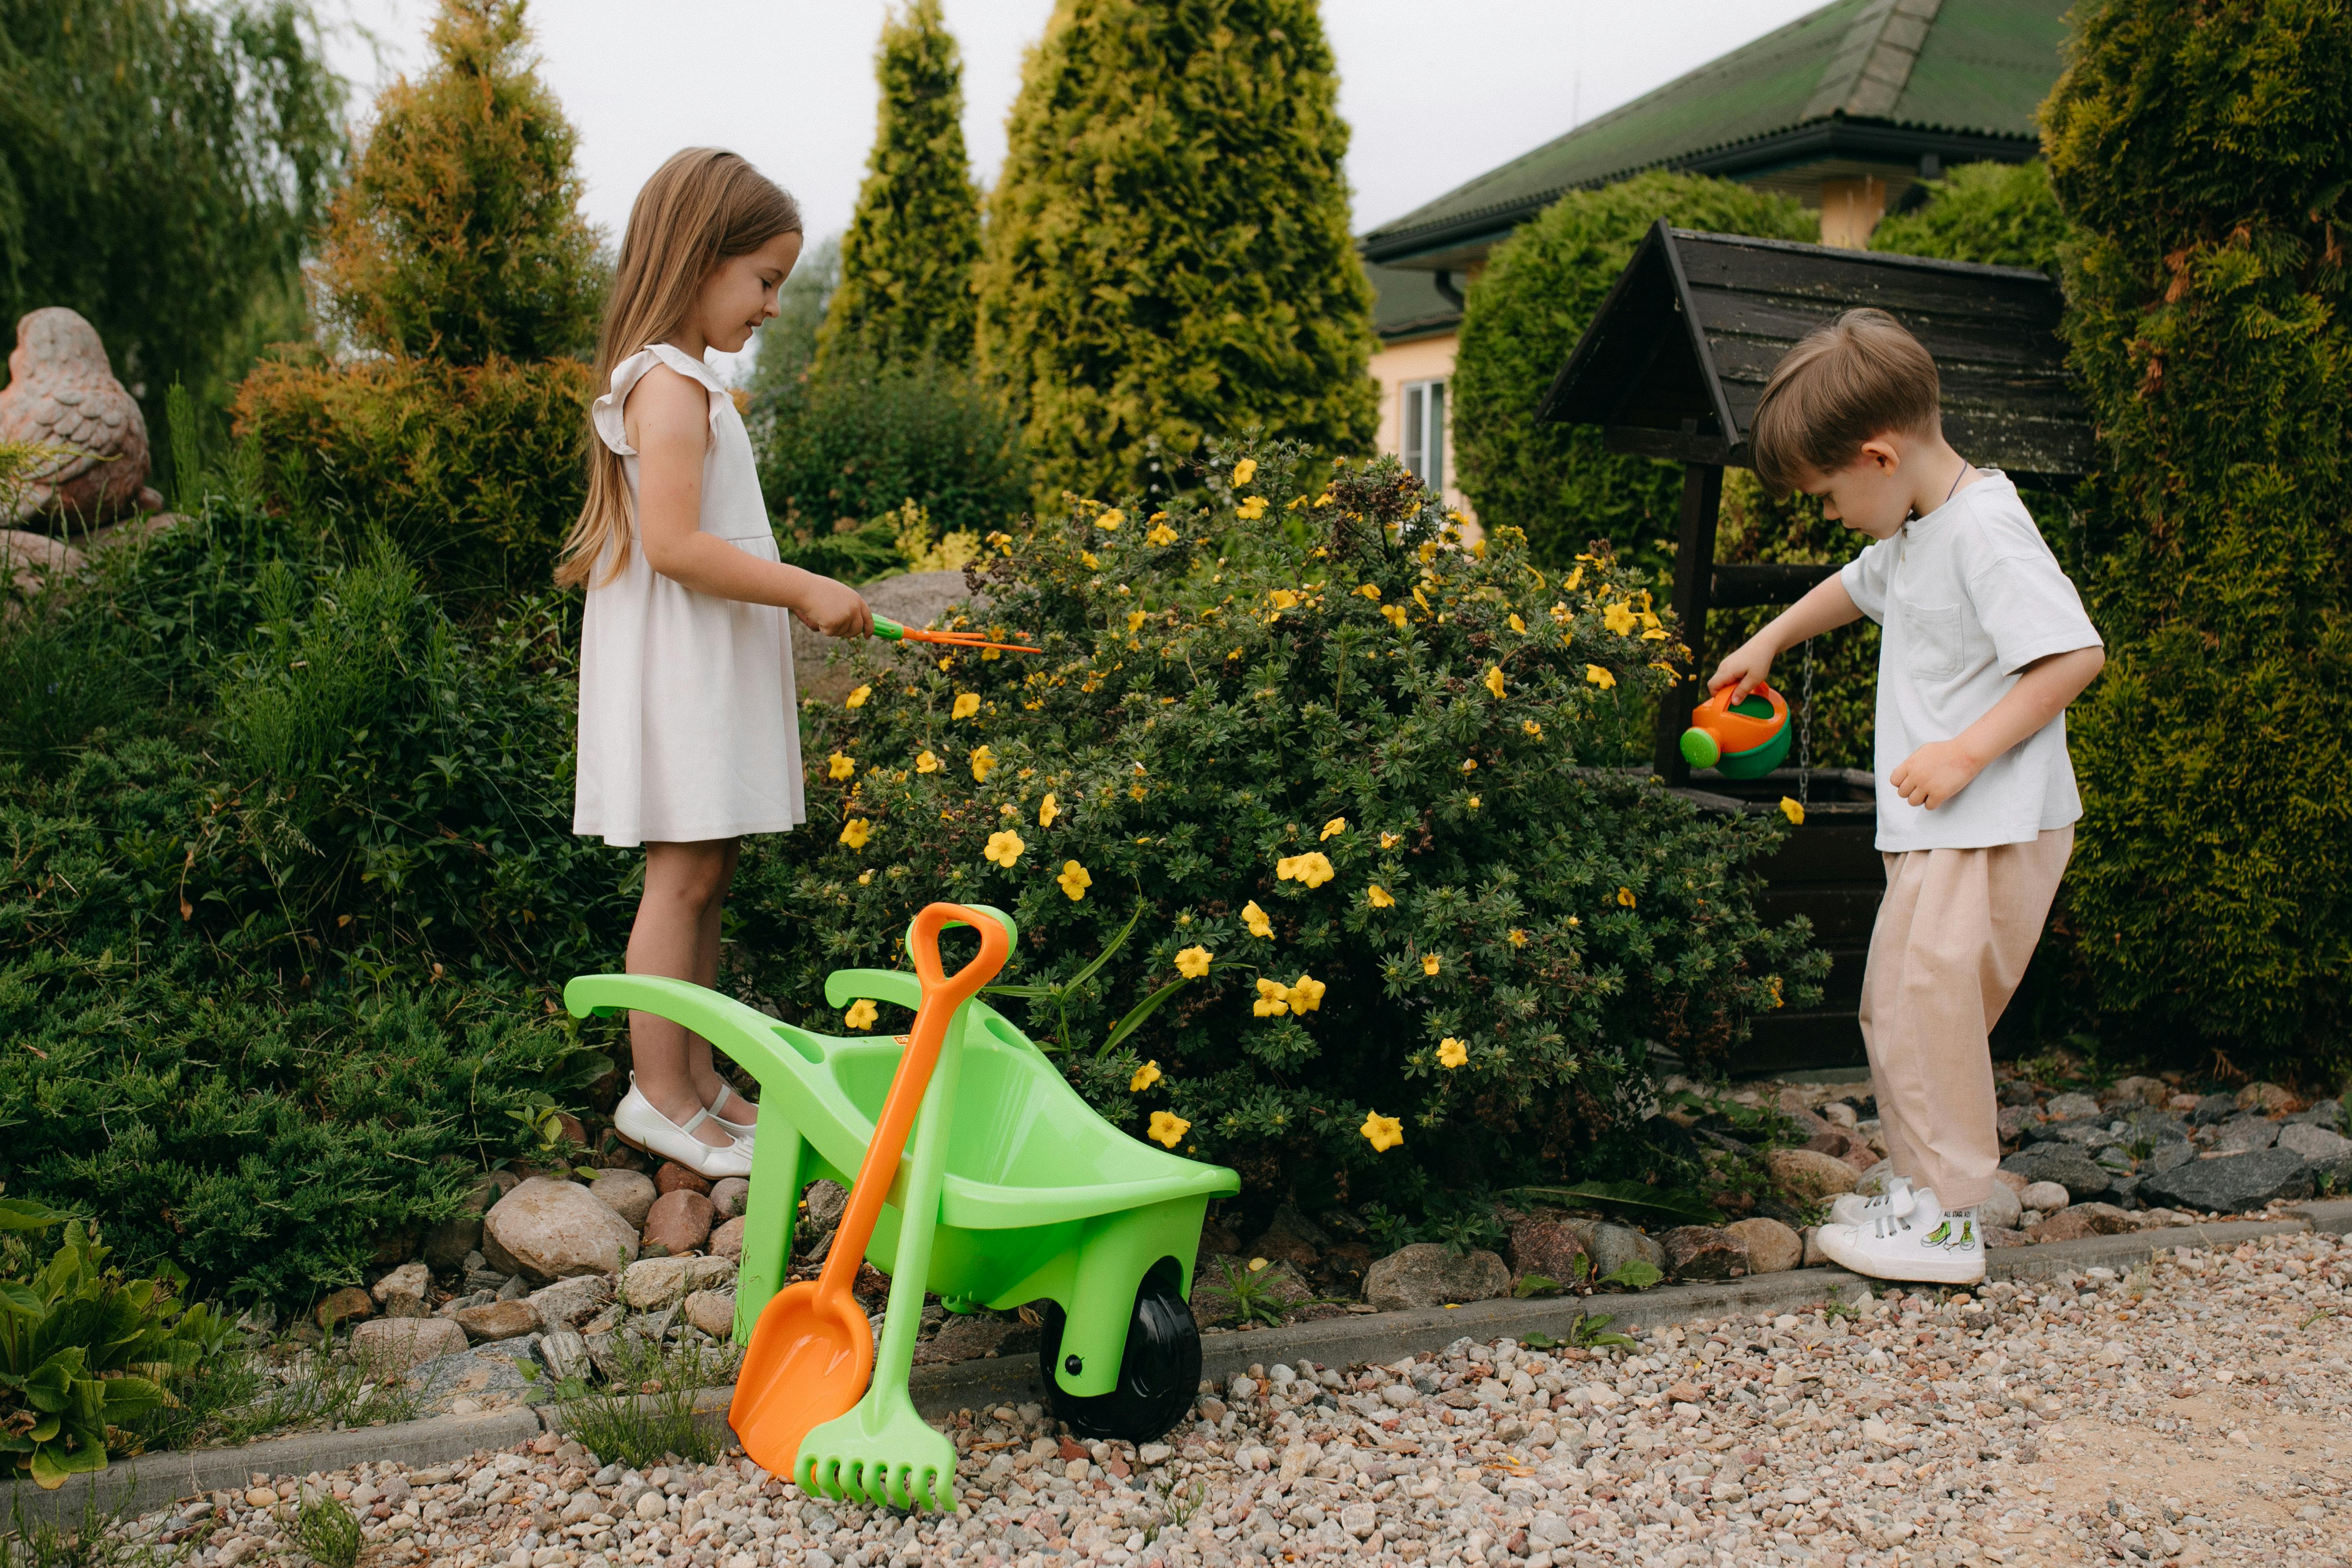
[1969, 595]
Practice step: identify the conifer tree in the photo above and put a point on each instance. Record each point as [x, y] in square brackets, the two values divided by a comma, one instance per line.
[460, 235]
[907, 261]
[1167, 253]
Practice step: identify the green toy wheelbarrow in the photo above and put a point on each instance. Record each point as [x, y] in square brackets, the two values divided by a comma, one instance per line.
[1043, 1200]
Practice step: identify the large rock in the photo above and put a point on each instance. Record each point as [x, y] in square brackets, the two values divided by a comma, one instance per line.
[2230, 1183]
[2047, 1196]
[712, 1311]
[2001, 1209]
[673, 1177]
[1703, 1252]
[1615, 1246]
[349, 1304]
[447, 1243]
[659, 1282]
[2070, 1167]
[553, 1229]
[727, 1241]
[1290, 1238]
[678, 1222]
[2079, 1220]
[2064, 1107]
[2214, 1108]
[729, 1196]
[628, 1194]
[2316, 1144]
[395, 1345]
[402, 1292]
[567, 1303]
[32, 561]
[1810, 1176]
[61, 391]
[2268, 1099]
[912, 599]
[1772, 1247]
[2138, 1090]
[2243, 1134]
[821, 1211]
[500, 1320]
[1427, 1275]
[1548, 1247]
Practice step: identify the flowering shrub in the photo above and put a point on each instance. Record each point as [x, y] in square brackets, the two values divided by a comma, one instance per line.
[1319, 782]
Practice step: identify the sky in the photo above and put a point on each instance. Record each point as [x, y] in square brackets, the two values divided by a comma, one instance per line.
[1435, 94]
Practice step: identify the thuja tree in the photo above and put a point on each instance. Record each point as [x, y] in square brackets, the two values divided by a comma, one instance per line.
[460, 236]
[1520, 319]
[1329, 779]
[2004, 215]
[1167, 253]
[907, 261]
[2199, 150]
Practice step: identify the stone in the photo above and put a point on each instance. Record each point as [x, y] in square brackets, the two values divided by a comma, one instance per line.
[628, 1194]
[2047, 1196]
[1811, 1175]
[1836, 1142]
[2067, 1107]
[553, 1230]
[2071, 1167]
[2080, 1220]
[1703, 1252]
[402, 1292]
[2011, 1180]
[727, 1241]
[2328, 1113]
[659, 1282]
[448, 1242]
[1290, 1237]
[729, 1196]
[678, 1222]
[31, 561]
[2229, 1184]
[1772, 1247]
[567, 1303]
[2001, 1209]
[1427, 1275]
[500, 1320]
[2140, 1090]
[821, 1211]
[1874, 1179]
[349, 1304]
[979, 1334]
[1993, 1237]
[2268, 1099]
[61, 391]
[1814, 1256]
[712, 1311]
[2013, 1120]
[2243, 1134]
[2316, 1144]
[2165, 1156]
[2214, 1108]
[673, 1177]
[565, 1355]
[395, 1345]
[1547, 1247]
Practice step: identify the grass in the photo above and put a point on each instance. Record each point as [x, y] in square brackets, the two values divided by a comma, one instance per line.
[233, 1396]
[327, 1532]
[644, 1414]
[38, 1543]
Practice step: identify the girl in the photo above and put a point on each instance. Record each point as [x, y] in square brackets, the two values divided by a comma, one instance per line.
[688, 736]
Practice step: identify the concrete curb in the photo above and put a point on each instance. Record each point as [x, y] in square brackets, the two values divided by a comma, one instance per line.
[149, 1482]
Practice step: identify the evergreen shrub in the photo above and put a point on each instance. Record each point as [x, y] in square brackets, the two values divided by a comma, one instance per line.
[2199, 150]
[1334, 769]
[2001, 214]
[1520, 319]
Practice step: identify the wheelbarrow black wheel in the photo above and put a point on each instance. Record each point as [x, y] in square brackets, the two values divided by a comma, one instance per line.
[1158, 1377]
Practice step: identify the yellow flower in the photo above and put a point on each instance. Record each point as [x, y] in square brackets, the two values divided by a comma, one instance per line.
[1089, 557]
[1369, 590]
[1284, 598]
[860, 1014]
[1391, 840]
[1382, 1132]
[1074, 880]
[1135, 619]
[967, 704]
[1394, 615]
[1312, 868]
[856, 831]
[1255, 917]
[1494, 680]
[1144, 1077]
[1307, 994]
[1452, 1052]
[1598, 676]
[1168, 1129]
[1517, 624]
[857, 698]
[1048, 809]
[1774, 982]
[1421, 599]
[1272, 999]
[1430, 962]
[1003, 848]
[1333, 827]
[1518, 937]
[1625, 897]
[1251, 509]
[1162, 535]
[839, 767]
[1792, 811]
[1246, 471]
[926, 763]
[1532, 728]
[1108, 521]
[982, 759]
[1193, 963]
[1620, 618]
[865, 877]
[1469, 764]
[1477, 801]
[1573, 580]
[1378, 897]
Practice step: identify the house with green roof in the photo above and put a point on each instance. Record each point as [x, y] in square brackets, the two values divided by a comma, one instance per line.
[1846, 109]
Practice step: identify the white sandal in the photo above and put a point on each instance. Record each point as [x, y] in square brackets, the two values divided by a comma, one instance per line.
[646, 1129]
[744, 1131]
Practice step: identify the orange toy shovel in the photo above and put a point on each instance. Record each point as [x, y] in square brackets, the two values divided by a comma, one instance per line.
[811, 1354]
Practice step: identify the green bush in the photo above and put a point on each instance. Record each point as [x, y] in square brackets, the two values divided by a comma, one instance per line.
[1167, 254]
[2201, 153]
[474, 471]
[2002, 215]
[907, 259]
[1347, 769]
[1520, 319]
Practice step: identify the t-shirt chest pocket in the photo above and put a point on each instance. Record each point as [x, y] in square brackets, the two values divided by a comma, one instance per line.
[1935, 641]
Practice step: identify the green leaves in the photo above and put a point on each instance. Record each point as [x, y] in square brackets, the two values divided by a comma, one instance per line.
[1633, 1197]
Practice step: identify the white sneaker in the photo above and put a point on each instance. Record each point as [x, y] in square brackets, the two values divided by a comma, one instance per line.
[644, 1127]
[1913, 1240]
[1854, 1208]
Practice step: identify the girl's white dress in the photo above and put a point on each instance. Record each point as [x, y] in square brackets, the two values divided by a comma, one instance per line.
[688, 727]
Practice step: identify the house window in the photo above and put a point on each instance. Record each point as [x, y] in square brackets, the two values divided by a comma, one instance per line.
[1424, 431]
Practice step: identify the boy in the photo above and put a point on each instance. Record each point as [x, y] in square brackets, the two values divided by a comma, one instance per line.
[1985, 644]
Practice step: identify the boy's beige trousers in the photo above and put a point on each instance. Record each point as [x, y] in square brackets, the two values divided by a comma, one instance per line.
[1953, 937]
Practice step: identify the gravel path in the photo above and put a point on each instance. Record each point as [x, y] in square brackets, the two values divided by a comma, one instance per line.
[2192, 1411]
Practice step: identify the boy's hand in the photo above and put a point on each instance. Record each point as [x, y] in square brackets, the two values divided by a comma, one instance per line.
[834, 608]
[1935, 773]
[1744, 668]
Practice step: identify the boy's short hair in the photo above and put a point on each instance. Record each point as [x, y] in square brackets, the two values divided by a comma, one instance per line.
[1862, 375]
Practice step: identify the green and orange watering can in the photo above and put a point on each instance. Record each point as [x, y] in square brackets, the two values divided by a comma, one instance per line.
[1742, 739]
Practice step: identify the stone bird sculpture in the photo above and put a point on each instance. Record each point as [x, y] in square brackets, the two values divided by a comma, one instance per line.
[61, 391]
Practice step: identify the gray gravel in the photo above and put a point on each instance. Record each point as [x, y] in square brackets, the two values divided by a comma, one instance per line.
[2190, 1411]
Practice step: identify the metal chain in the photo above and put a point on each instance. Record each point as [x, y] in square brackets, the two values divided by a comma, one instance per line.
[1805, 735]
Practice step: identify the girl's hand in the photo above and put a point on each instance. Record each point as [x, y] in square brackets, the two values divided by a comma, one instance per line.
[832, 608]
[1744, 668]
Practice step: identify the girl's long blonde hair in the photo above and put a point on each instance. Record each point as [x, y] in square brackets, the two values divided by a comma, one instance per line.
[700, 207]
